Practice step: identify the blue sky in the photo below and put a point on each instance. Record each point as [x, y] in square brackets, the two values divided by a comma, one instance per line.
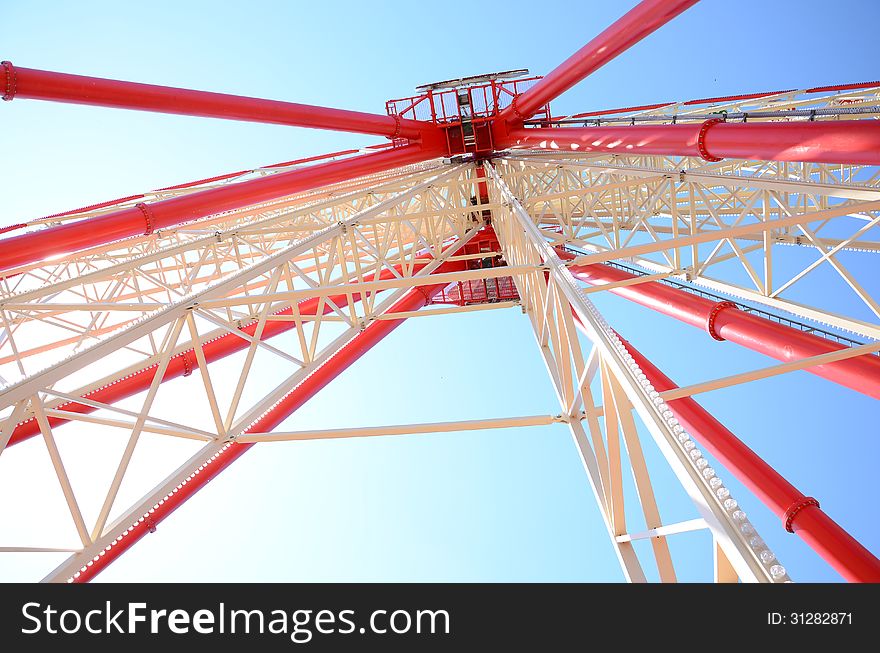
[505, 505]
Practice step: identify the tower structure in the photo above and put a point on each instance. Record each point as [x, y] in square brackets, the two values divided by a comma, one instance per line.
[482, 198]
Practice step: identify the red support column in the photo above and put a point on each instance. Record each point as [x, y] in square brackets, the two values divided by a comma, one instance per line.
[145, 218]
[308, 387]
[632, 27]
[849, 141]
[28, 83]
[799, 514]
[726, 322]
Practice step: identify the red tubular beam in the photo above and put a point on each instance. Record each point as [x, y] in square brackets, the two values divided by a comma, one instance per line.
[76, 89]
[837, 547]
[632, 27]
[145, 218]
[357, 347]
[850, 141]
[784, 343]
[184, 363]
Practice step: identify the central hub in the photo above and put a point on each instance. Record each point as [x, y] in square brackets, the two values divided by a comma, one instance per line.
[465, 107]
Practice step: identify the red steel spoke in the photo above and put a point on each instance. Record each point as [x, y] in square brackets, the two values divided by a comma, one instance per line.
[28, 83]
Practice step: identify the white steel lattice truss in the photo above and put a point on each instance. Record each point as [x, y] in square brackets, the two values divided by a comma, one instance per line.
[74, 326]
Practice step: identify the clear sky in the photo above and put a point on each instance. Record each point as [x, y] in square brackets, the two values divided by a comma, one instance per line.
[504, 505]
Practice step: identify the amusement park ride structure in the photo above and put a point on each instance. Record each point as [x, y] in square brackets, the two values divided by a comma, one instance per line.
[481, 199]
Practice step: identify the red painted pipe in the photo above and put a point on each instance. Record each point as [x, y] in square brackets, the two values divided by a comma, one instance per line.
[184, 363]
[837, 547]
[784, 343]
[632, 27]
[77, 89]
[144, 218]
[357, 347]
[849, 141]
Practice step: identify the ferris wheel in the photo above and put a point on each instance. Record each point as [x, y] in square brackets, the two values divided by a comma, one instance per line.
[247, 293]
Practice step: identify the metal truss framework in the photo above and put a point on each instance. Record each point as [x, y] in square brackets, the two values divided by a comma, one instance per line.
[685, 218]
[555, 302]
[305, 280]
